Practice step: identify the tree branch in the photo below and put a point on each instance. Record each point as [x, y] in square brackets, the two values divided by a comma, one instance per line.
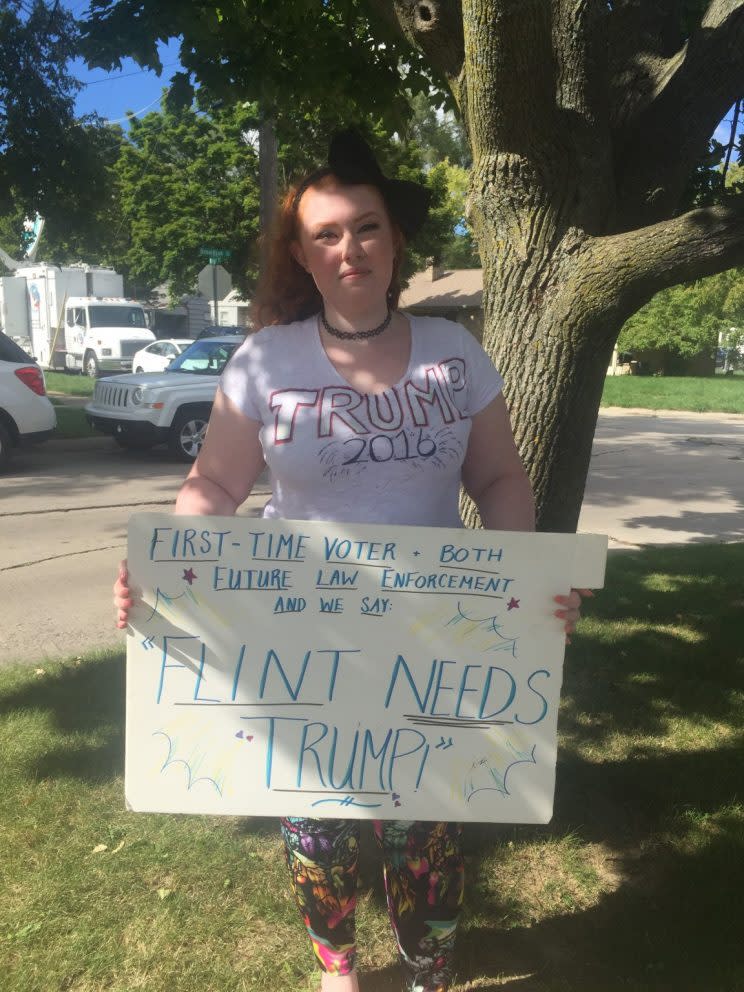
[620, 273]
[509, 75]
[693, 91]
[580, 47]
[641, 38]
[432, 26]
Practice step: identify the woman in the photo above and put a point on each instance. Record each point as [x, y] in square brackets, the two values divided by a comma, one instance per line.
[335, 366]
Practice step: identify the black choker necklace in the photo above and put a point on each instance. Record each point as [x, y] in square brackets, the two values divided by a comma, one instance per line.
[356, 335]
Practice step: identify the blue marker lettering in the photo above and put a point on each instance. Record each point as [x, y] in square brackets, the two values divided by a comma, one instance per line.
[237, 672]
[487, 689]
[368, 745]
[540, 671]
[396, 756]
[311, 748]
[272, 656]
[440, 687]
[348, 780]
[200, 678]
[463, 687]
[156, 540]
[164, 663]
[334, 666]
[401, 664]
[270, 742]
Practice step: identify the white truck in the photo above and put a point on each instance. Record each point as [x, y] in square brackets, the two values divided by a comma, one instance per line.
[73, 317]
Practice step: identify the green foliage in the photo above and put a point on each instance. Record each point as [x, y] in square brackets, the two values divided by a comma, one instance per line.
[446, 236]
[440, 136]
[49, 161]
[189, 179]
[301, 54]
[85, 226]
[686, 320]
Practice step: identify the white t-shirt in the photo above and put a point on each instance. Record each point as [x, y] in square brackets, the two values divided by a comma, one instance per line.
[337, 454]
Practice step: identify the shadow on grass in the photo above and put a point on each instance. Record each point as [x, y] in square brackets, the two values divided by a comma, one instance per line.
[676, 650]
[671, 925]
[80, 700]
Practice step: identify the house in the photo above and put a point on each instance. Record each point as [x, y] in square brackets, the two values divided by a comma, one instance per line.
[233, 310]
[456, 294]
[184, 320]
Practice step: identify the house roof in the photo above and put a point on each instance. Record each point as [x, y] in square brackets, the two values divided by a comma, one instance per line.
[453, 288]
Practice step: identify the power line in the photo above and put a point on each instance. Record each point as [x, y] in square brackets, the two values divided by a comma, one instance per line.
[135, 113]
[113, 79]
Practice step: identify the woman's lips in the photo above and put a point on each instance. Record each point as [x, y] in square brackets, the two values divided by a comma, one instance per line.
[354, 273]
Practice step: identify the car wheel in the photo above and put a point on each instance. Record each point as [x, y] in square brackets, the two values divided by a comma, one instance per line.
[187, 435]
[5, 447]
[90, 364]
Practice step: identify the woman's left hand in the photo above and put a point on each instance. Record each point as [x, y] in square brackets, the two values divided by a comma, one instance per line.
[570, 610]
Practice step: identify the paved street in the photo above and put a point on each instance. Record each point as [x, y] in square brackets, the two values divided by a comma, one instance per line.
[63, 523]
[64, 508]
[666, 478]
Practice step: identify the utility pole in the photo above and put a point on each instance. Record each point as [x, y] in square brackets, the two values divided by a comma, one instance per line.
[267, 180]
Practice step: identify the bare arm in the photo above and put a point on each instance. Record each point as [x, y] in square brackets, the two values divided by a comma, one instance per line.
[228, 465]
[494, 477]
[493, 474]
[221, 478]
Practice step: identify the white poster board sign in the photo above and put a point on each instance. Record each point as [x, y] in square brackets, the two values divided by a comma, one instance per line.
[316, 669]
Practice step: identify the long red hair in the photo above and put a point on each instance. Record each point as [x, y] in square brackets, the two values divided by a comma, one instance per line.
[286, 292]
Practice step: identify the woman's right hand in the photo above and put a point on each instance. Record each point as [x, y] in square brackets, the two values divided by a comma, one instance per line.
[123, 600]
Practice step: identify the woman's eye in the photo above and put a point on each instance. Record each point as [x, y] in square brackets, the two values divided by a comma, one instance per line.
[323, 235]
[369, 227]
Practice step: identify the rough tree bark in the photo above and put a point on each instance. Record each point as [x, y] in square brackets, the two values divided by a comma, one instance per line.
[585, 121]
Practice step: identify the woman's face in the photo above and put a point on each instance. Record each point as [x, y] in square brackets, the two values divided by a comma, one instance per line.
[347, 245]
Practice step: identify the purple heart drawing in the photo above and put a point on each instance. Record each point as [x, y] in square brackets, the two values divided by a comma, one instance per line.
[396, 796]
[240, 734]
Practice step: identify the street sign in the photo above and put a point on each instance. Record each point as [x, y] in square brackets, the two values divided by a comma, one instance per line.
[214, 282]
[215, 255]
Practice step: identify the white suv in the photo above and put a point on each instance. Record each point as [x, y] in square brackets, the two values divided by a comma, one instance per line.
[170, 407]
[26, 414]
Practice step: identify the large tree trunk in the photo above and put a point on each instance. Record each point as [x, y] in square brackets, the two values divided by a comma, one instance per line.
[554, 360]
[575, 222]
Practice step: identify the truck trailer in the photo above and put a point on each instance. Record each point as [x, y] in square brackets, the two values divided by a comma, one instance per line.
[73, 318]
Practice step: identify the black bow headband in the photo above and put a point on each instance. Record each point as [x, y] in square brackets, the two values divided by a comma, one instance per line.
[352, 162]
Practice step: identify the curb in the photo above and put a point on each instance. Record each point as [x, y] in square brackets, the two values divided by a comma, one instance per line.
[80, 443]
[639, 411]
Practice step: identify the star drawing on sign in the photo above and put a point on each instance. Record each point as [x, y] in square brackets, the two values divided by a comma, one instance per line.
[189, 575]
[513, 604]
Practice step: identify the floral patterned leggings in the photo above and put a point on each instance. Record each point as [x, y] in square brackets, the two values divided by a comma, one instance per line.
[423, 869]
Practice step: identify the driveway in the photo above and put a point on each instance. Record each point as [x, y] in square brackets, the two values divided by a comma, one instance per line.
[654, 479]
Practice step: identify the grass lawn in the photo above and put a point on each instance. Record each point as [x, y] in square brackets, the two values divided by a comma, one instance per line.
[721, 394]
[71, 422]
[70, 385]
[633, 886]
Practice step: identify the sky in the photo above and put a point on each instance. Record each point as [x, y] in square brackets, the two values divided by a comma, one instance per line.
[112, 94]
